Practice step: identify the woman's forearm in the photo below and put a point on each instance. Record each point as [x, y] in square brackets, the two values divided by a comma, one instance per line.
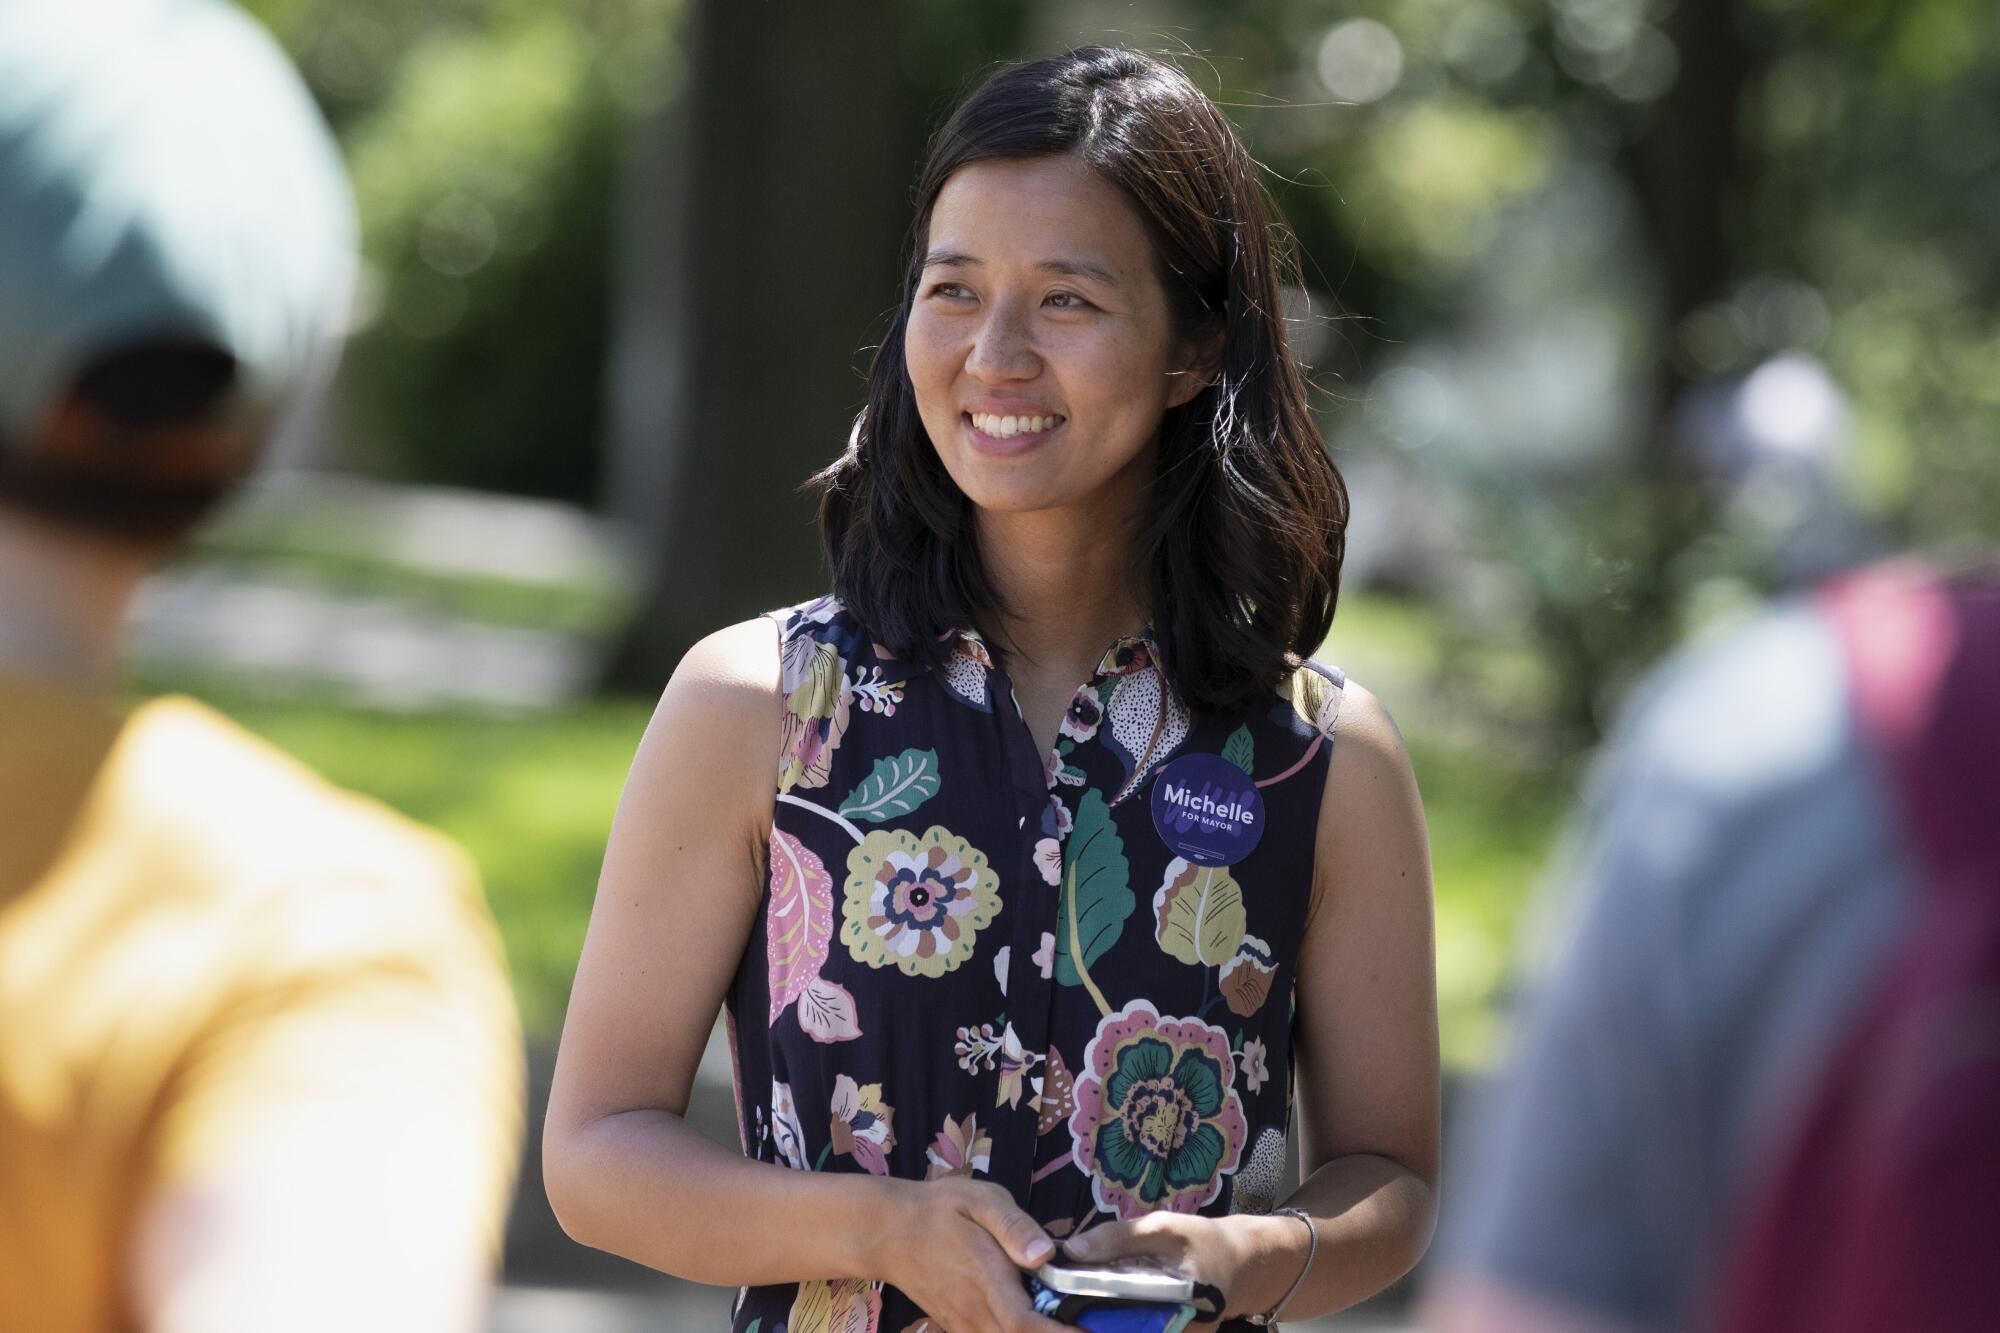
[1374, 1217]
[646, 1186]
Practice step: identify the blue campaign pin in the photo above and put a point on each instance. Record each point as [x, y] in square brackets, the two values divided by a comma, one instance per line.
[1207, 809]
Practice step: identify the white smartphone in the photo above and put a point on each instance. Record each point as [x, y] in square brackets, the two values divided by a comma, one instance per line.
[1126, 1280]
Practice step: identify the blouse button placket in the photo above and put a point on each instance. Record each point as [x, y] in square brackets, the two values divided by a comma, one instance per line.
[1035, 905]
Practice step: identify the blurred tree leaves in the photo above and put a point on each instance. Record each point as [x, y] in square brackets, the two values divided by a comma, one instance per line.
[486, 140]
[1691, 187]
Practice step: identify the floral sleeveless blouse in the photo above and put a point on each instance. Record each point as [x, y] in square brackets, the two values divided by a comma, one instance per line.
[1070, 973]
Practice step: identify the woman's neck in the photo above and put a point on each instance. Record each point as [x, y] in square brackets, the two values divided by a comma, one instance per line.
[1068, 580]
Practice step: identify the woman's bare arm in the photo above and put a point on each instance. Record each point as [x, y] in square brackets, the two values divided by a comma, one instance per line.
[1367, 1043]
[676, 904]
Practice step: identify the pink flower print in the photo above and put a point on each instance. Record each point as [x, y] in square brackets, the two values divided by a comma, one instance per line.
[1045, 957]
[1057, 820]
[1048, 860]
[1158, 1121]
[1255, 1070]
[976, 1047]
[817, 700]
[1084, 715]
[863, 1125]
[1059, 769]
[959, 1150]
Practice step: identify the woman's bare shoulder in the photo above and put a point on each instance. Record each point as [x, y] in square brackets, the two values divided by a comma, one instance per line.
[719, 714]
[1371, 815]
[734, 667]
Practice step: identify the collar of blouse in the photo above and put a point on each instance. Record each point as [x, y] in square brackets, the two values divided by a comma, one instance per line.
[1127, 654]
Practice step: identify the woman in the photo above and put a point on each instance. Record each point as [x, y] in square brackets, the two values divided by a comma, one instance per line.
[1008, 960]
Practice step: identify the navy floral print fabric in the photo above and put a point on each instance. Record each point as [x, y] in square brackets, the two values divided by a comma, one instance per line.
[1037, 969]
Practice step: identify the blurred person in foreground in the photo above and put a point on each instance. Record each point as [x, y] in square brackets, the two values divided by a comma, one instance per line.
[1758, 1088]
[259, 1067]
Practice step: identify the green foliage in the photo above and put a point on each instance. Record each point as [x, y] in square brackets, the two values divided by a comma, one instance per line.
[1493, 826]
[1431, 174]
[485, 139]
[1881, 139]
[486, 182]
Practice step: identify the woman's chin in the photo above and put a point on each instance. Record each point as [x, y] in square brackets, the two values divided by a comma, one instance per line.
[1013, 496]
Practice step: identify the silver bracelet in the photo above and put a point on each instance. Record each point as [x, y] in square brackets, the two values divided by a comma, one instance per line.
[1270, 1316]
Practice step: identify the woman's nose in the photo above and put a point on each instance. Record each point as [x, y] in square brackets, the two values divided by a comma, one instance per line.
[1003, 348]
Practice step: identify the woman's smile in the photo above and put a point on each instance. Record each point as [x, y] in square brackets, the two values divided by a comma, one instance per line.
[1009, 436]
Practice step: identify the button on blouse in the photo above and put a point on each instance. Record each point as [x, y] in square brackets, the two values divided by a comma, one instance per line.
[1070, 973]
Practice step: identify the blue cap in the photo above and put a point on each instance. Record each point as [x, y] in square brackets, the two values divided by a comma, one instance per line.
[164, 174]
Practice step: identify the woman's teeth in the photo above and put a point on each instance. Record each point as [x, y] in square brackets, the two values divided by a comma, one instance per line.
[1002, 427]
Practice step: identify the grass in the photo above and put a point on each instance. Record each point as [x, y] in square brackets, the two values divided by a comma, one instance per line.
[532, 798]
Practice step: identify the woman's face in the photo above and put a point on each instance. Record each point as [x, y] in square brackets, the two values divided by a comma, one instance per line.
[1039, 345]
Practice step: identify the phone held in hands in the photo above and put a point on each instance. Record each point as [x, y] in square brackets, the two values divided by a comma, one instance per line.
[1130, 1296]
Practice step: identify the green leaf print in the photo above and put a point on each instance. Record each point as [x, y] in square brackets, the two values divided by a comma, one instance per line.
[1097, 896]
[1240, 750]
[899, 784]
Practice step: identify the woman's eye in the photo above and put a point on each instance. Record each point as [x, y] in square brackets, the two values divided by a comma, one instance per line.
[950, 289]
[1068, 300]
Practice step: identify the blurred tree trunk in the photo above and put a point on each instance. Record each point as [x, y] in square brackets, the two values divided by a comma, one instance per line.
[1689, 171]
[762, 234]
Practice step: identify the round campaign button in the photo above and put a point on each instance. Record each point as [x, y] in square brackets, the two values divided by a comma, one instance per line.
[1207, 809]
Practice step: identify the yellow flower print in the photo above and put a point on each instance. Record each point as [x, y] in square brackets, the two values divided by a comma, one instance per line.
[917, 903]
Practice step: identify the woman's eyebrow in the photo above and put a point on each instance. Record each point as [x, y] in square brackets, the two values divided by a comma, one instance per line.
[1081, 268]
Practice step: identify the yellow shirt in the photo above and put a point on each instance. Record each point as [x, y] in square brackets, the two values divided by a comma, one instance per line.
[207, 951]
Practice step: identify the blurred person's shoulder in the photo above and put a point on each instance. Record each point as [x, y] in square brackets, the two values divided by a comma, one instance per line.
[1759, 703]
[231, 822]
[1736, 781]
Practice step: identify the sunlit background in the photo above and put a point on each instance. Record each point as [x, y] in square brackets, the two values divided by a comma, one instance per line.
[1622, 315]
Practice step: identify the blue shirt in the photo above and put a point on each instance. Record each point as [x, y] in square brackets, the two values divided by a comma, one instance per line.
[1740, 880]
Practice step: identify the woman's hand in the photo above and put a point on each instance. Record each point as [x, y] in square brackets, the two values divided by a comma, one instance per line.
[1211, 1250]
[957, 1248]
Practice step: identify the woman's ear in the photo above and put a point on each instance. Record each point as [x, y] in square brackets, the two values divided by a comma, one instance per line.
[1200, 362]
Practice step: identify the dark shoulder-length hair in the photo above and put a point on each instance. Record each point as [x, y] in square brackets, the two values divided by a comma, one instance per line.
[1243, 549]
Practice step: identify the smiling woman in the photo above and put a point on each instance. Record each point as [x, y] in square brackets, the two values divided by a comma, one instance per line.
[1092, 244]
[1021, 937]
